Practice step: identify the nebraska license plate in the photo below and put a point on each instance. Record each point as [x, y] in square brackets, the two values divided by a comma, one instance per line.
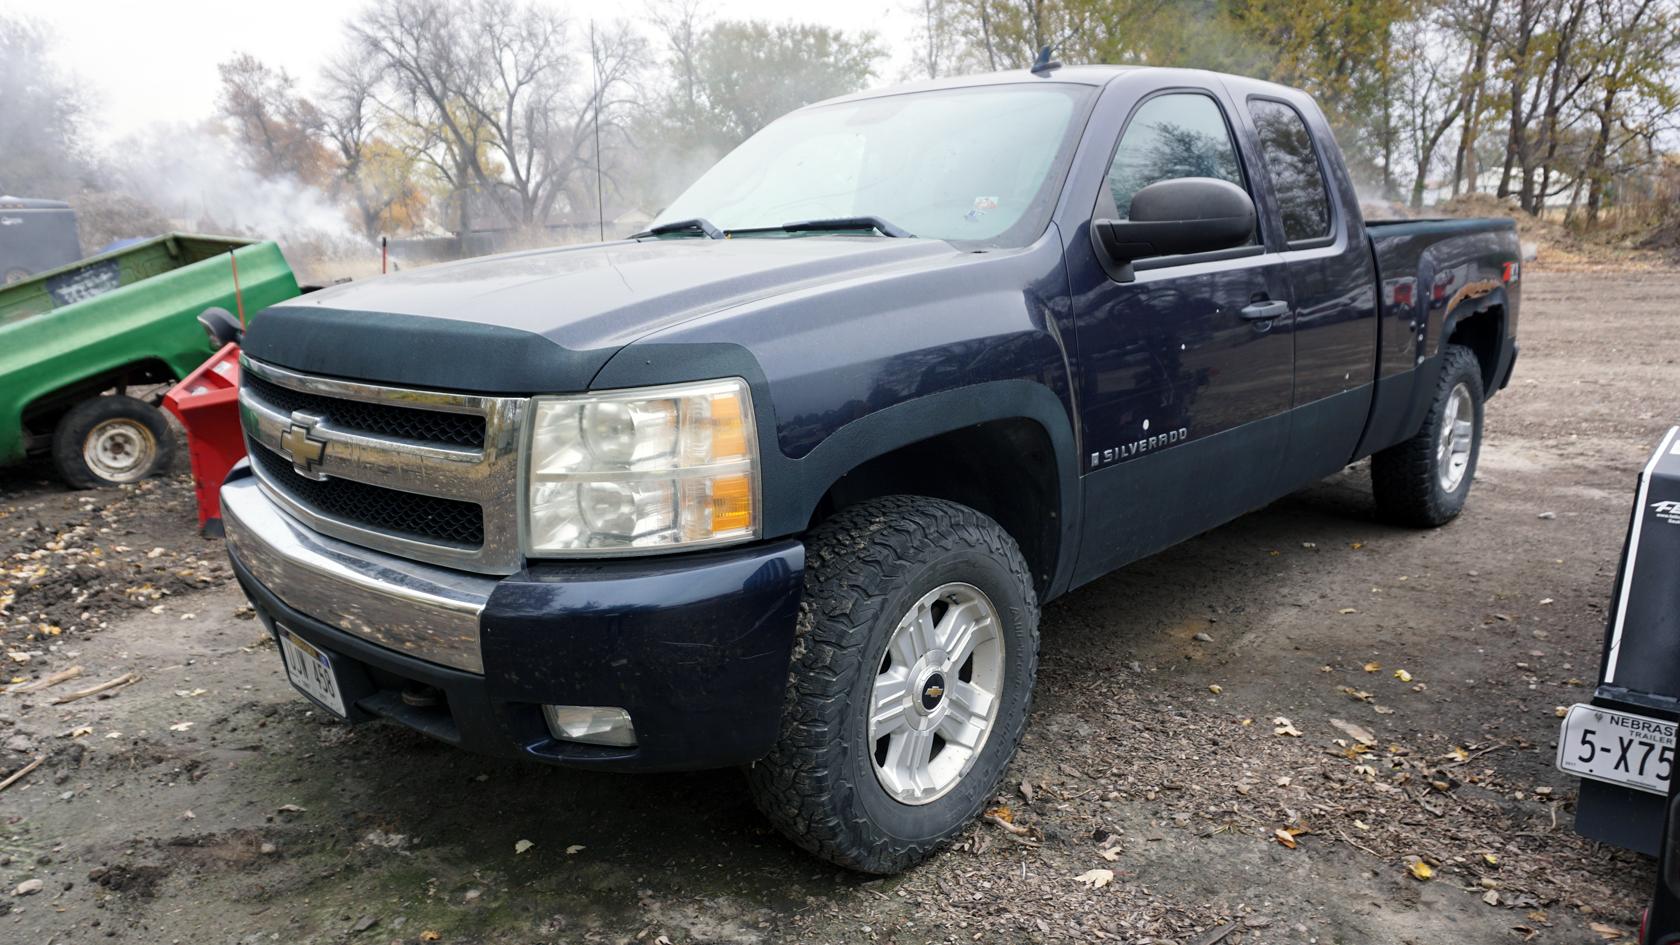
[1618, 747]
[311, 671]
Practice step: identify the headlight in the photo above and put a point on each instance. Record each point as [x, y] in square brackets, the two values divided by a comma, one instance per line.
[656, 468]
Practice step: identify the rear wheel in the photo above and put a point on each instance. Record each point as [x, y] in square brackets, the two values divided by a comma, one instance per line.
[911, 680]
[110, 441]
[1425, 480]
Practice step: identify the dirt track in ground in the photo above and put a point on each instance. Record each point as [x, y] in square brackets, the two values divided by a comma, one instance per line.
[206, 803]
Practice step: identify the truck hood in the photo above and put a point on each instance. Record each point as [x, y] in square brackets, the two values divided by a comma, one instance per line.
[546, 321]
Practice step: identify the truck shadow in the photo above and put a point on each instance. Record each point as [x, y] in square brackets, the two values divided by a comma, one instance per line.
[604, 848]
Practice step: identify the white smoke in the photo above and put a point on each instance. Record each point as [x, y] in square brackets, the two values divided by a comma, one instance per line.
[195, 178]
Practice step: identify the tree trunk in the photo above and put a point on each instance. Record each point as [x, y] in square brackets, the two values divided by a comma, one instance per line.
[1598, 158]
[1516, 140]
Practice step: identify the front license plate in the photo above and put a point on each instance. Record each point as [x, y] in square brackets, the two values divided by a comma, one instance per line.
[1618, 747]
[311, 671]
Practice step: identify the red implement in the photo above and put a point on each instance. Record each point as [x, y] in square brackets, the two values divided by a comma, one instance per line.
[207, 404]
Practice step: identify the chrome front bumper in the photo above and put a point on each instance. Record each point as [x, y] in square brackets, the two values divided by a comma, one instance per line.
[423, 611]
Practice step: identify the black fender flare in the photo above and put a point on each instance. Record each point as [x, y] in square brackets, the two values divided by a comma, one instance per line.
[791, 488]
[1466, 304]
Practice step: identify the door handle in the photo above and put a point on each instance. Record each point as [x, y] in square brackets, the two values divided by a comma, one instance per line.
[1265, 311]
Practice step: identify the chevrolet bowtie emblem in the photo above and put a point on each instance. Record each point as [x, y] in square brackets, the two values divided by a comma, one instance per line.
[934, 692]
[302, 448]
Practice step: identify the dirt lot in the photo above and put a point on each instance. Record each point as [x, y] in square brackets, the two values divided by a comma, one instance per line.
[207, 803]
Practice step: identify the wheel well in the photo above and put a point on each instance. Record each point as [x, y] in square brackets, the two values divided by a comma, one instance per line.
[1483, 333]
[42, 414]
[1003, 468]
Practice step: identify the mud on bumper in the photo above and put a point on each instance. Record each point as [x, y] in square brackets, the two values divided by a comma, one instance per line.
[694, 646]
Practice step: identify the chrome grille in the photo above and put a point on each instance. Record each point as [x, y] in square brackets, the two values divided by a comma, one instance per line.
[429, 475]
[408, 423]
[422, 517]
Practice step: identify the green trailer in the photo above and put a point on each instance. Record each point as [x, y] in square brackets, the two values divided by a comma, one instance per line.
[75, 339]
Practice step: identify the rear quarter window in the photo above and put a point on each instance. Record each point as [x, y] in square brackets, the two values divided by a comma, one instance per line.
[1297, 178]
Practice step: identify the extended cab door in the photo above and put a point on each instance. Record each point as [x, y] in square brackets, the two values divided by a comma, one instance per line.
[1184, 375]
[1332, 279]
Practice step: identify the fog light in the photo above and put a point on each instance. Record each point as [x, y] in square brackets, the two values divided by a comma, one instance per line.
[590, 724]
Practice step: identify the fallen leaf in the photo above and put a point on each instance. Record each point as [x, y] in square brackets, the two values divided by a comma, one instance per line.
[1422, 870]
[1285, 837]
[1095, 879]
[430, 936]
[1458, 754]
[291, 809]
[1285, 727]
[1402, 675]
[1606, 931]
[180, 726]
[1358, 733]
[1372, 666]
[1491, 898]
[1545, 600]
[1111, 854]
[1347, 610]
[1561, 711]
[1003, 813]
[575, 849]
[1491, 859]
[522, 846]
[1216, 689]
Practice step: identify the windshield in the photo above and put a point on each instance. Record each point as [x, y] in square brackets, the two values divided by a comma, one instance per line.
[977, 164]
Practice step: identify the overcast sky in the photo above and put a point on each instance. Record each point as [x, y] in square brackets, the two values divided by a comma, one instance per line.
[155, 60]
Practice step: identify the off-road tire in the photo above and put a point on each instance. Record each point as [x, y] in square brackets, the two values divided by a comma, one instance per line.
[864, 569]
[1405, 478]
[82, 420]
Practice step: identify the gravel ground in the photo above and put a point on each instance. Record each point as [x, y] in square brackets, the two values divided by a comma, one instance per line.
[1268, 734]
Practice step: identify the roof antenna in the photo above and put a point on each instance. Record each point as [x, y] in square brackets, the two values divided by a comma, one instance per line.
[1044, 63]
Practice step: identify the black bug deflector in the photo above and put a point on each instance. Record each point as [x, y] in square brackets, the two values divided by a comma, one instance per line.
[1640, 667]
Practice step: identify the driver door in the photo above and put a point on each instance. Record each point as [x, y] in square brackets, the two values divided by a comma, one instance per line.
[1183, 393]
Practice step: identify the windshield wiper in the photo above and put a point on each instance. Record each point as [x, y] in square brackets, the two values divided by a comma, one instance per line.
[848, 223]
[699, 225]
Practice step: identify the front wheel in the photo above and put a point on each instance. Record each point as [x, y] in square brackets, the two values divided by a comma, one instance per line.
[1424, 481]
[110, 441]
[911, 679]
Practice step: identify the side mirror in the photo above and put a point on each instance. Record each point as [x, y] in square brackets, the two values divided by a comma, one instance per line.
[1178, 216]
[221, 326]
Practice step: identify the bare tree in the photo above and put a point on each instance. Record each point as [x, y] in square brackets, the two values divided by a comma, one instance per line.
[276, 128]
[41, 115]
[935, 46]
[1432, 97]
[1632, 50]
[374, 172]
[492, 93]
[1474, 22]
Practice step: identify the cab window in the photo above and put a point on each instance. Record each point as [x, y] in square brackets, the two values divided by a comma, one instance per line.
[1287, 146]
[1180, 134]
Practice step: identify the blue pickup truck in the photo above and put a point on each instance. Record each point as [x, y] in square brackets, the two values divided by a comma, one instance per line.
[784, 481]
